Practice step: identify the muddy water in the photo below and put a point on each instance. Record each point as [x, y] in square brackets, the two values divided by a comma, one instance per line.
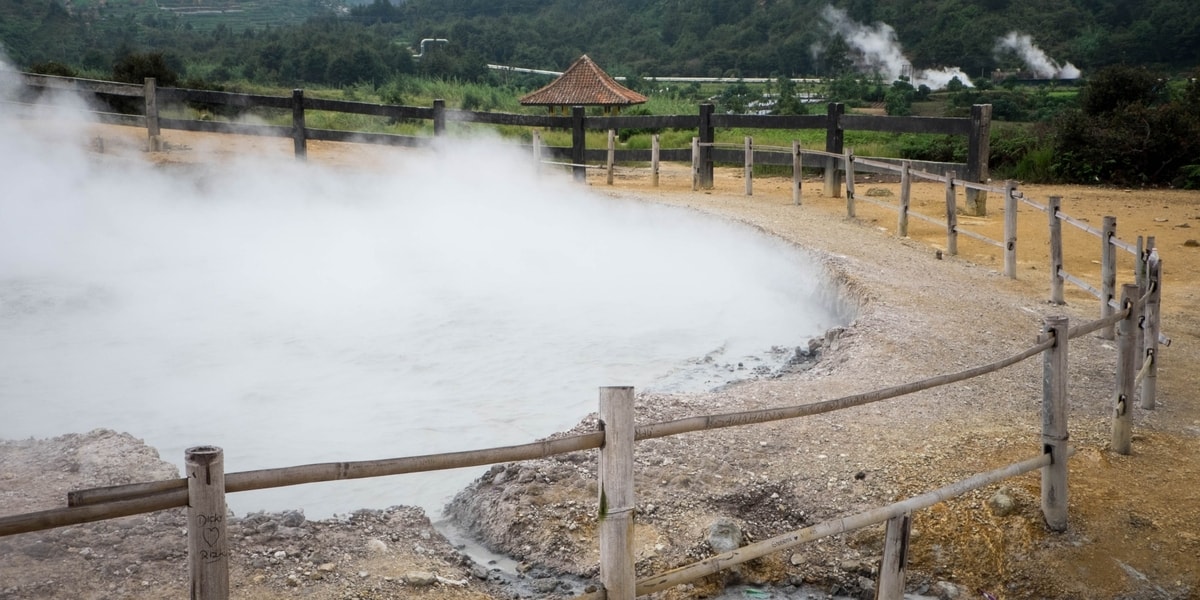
[293, 315]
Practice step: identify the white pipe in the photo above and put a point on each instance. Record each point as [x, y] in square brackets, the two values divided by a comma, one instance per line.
[667, 79]
[426, 41]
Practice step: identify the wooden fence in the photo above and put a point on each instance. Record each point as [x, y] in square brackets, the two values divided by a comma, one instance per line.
[850, 164]
[835, 123]
[203, 490]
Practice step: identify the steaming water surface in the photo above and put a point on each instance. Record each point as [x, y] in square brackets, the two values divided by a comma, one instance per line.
[294, 315]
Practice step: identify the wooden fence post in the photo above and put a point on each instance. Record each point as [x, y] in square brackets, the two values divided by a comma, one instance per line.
[834, 138]
[849, 160]
[1056, 251]
[655, 150]
[905, 198]
[695, 164]
[978, 148]
[749, 166]
[951, 216]
[537, 151]
[1010, 229]
[707, 137]
[895, 558]
[1127, 345]
[578, 144]
[208, 543]
[1139, 277]
[1108, 273]
[439, 117]
[616, 493]
[152, 129]
[299, 134]
[797, 168]
[1054, 423]
[1139, 263]
[612, 155]
[1154, 278]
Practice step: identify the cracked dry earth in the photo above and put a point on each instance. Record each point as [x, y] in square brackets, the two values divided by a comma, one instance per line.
[1134, 520]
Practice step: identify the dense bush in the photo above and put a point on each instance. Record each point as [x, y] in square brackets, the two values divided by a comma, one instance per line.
[1129, 130]
[135, 67]
[941, 148]
[53, 68]
[1022, 152]
[899, 98]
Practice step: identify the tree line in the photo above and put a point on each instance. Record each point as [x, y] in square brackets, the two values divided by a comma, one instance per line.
[647, 38]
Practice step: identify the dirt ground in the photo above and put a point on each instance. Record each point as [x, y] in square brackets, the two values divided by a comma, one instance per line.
[1134, 520]
[1134, 517]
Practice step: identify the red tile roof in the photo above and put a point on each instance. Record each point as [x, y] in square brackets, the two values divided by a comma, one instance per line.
[583, 83]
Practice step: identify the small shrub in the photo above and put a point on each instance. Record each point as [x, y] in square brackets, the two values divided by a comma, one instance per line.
[135, 67]
[1037, 165]
[941, 148]
[53, 68]
[1189, 178]
[471, 101]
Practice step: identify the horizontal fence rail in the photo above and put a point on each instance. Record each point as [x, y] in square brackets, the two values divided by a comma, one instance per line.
[102, 503]
[976, 128]
[720, 562]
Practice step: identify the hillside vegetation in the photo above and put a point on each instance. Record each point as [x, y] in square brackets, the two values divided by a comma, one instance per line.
[1133, 121]
[747, 38]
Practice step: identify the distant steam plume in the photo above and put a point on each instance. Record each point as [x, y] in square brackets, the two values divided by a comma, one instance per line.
[877, 50]
[1034, 58]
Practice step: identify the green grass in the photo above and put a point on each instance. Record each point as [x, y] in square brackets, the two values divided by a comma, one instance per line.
[422, 92]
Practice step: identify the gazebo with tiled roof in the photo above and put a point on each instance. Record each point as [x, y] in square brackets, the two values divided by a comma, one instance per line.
[584, 84]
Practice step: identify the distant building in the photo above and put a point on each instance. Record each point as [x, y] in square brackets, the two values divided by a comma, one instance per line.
[584, 84]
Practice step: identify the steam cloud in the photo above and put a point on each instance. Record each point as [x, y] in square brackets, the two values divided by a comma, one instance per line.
[877, 50]
[1035, 58]
[452, 301]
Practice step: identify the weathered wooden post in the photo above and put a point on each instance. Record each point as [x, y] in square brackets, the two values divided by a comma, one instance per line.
[1056, 251]
[299, 133]
[439, 117]
[978, 148]
[1139, 277]
[895, 558]
[905, 198]
[537, 151]
[1054, 423]
[1010, 229]
[578, 144]
[152, 129]
[616, 493]
[655, 151]
[1108, 272]
[695, 164]
[797, 177]
[834, 139]
[848, 157]
[1139, 263]
[708, 135]
[208, 543]
[749, 168]
[951, 216]
[1150, 342]
[611, 160]
[1127, 345]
